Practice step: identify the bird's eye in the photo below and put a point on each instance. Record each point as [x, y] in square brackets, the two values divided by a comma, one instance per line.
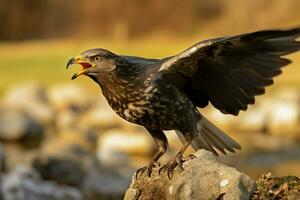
[97, 58]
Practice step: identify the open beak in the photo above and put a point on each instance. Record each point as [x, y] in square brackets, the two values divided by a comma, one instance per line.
[85, 65]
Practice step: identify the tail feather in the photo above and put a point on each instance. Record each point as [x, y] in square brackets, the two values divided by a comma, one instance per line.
[216, 143]
[211, 139]
[205, 143]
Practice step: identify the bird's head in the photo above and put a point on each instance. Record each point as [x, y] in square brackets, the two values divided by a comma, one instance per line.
[95, 62]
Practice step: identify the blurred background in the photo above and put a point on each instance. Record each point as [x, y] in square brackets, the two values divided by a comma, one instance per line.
[59, 139]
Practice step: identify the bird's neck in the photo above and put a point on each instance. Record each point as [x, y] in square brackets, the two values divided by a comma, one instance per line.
[121, 87]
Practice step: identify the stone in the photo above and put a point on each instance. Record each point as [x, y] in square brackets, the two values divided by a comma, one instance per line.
[70, 143]
[283, 118]
[118, 148]
[100, 116]
[66, 96]
[16, 154]
[63, 171]
[31, 99]
[254, 120]
[18, 126]
[2, 159]
[203, 178]
[67, 120]
[103, 183]
[65, 157]
[23, 184]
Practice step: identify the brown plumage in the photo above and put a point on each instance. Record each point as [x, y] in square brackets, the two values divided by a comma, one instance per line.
[163, 94]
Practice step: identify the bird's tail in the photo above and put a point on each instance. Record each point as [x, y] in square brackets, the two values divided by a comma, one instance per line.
[211, 138]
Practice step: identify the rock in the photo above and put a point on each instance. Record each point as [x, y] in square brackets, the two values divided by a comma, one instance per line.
[2, 159]
[100, 116]
[68, 119]
[121, 148]
[63, 171]
[65, 157]
[283, 118]
[254, 120]
[18, 126]
[31, 99]
[269, 187]
[23, 184]
[203, 178]
[69, 102]
[74, 144]
[103, 183]
[64, 96]
[15, 155]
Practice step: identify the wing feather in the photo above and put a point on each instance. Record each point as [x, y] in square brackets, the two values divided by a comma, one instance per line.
[230, 71]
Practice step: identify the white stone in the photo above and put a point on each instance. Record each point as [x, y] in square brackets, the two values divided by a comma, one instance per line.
[119, 146]
[224, 182]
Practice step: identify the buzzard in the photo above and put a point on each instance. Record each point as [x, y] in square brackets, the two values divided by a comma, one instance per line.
[164, 94]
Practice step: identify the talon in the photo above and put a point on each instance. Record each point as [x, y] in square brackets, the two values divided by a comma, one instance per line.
[163, 168]
[139, 172]
[149, 172]
[173, 164]
[149, 168]
[221, 196]
[170, 175]
[169, 167]
[179, 164]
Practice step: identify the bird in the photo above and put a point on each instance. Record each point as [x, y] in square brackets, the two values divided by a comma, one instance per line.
[167, 94]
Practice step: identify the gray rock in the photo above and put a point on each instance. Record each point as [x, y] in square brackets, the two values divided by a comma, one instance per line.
[104, 184]
[203, 178]
[63, 171]
[119, 148]
[31, 99]
[18, 126]
[99, 116]
[72, 145]
[1, 196]
[2, 159]
[66, 96]
[23, 184]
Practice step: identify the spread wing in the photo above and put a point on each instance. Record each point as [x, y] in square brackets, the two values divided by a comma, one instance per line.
[230, 71]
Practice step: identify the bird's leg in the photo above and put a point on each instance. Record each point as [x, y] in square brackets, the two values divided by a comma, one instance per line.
[178, 160]
[162, 143]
